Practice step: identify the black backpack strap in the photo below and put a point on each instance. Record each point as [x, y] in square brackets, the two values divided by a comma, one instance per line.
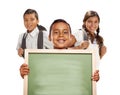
[23, 45]
[41, 28]
[40, 40]
[40, 36]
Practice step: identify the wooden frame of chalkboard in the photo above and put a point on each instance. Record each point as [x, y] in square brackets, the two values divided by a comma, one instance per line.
[60, 72]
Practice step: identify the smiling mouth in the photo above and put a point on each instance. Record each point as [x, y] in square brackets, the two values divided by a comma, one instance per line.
[61, 40]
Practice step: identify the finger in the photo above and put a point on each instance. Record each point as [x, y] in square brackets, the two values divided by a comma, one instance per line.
[24, 65]
[95, 78]
[97, 71]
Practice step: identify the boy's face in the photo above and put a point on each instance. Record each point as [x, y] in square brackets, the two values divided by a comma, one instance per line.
[30, 22]
[60, 35]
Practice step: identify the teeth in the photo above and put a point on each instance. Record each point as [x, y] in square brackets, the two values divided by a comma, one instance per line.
[61, 41]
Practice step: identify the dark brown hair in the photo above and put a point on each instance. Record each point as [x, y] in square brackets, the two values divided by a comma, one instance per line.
[31, 11]
[57, 21]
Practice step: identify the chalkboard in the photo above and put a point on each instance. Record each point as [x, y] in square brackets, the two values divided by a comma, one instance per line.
[59, 72]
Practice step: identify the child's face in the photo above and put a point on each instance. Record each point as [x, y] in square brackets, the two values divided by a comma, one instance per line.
[92, 24]
[60, 35]
[30, 22]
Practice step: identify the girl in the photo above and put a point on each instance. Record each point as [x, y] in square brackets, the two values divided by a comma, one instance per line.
[90, 32]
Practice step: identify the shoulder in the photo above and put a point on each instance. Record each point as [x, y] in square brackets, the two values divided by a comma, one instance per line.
[78, 35]
[40, 27]
[22, 34]
[77, 31]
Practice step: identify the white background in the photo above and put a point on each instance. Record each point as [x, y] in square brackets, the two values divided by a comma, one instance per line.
[11, 25]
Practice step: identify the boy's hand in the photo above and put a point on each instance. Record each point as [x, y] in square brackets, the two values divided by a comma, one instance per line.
[24, 70]
[96, 76]
[72, 41]
[20, 52]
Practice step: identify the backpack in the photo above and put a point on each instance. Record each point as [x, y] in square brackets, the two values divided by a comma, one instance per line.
[39, 40]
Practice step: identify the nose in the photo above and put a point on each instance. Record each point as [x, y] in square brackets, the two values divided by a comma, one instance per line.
[29, 22]
[61, 34]
[92, 24]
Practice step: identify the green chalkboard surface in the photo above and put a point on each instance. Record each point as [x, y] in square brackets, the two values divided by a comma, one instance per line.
[59, 72]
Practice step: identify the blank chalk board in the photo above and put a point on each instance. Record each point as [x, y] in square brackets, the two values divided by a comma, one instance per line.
[59, 72]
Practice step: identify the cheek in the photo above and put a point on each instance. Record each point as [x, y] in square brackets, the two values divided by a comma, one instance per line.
[25, 24]
[67, 37]
[97, 25]
[53, 38]
[88, 25]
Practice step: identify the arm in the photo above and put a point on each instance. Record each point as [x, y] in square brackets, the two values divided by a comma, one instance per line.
[20, 52]
[83, 45]
[103, 51]
[72, 41]
[19, 49]
[79, 42]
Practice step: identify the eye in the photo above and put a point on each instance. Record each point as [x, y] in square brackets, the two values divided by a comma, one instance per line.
[66, 32]
[55, 32]
[89, 21]
[96, 22]
[25, 20]
[32, 19]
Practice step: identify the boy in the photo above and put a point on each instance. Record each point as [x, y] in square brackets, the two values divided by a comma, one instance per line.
[60, 35]
[36, 35]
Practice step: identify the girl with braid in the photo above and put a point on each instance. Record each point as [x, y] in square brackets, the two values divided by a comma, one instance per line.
[90, 32]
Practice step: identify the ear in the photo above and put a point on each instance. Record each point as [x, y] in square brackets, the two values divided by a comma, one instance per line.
[49, 38]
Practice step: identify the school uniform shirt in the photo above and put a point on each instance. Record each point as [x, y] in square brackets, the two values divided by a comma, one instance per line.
[80, 37]
[31, 40]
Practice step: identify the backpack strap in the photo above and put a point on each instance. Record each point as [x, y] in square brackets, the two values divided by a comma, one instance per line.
[23, 45]
[40, 36]
[40, 40]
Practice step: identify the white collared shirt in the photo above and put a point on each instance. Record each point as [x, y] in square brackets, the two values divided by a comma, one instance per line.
[31, 40]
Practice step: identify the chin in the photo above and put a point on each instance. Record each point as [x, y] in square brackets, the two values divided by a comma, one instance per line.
[61, 47]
